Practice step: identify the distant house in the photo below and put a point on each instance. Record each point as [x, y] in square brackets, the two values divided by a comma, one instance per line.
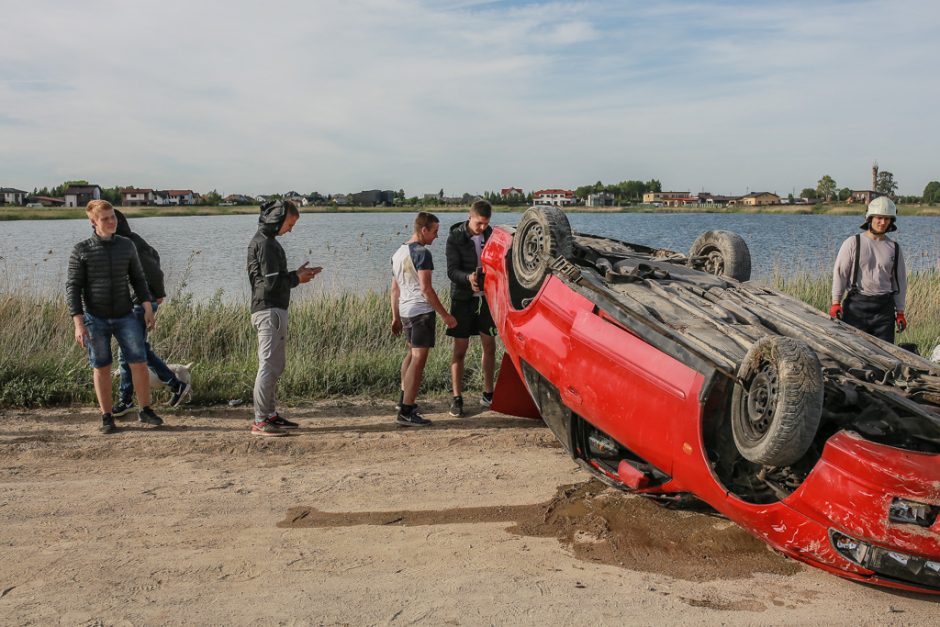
[12, 196]
[174, 197]
[602, 199]
[660, 198]
[506, 192]
[757, 199]
[718, 200]
[47, 201]
[864, 196]
[557, 197]
[81, 195]
[373, 198]
[340, 199]
[135, 197]
[239, 199]
[297, 199]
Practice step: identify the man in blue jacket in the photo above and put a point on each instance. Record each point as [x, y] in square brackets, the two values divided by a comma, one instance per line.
[271, 284]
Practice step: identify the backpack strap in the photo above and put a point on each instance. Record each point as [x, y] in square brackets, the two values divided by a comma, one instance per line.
[853, 288]
[894, 271]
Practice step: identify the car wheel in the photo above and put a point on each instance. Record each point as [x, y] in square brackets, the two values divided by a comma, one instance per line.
[543, 234]
[777, 404]
[722, 253]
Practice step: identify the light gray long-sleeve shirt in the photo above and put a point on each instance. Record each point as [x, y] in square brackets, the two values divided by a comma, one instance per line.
[875, 270]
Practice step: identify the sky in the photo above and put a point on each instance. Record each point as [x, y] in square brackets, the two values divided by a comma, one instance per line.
[468, 96]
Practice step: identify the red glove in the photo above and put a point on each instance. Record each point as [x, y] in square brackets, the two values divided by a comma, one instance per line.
[835, 311]
[902, 321]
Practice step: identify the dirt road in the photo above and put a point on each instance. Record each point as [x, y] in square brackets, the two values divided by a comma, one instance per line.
[479, 520]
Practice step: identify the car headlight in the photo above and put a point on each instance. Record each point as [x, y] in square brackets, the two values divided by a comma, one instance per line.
[891, 564]
[912, 512]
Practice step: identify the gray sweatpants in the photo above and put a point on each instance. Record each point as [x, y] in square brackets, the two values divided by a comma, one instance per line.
[271, 325]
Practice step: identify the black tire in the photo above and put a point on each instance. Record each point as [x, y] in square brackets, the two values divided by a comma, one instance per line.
[776, 412]
[543, 233]
[722, 253]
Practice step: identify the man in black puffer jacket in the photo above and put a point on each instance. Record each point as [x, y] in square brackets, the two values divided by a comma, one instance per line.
[271, 284]
[102, 270]
[150, 261]
[468, 303]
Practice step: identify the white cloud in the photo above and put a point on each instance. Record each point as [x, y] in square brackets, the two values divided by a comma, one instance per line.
[344, 95]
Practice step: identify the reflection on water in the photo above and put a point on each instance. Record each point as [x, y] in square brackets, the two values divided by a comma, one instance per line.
[205, 254]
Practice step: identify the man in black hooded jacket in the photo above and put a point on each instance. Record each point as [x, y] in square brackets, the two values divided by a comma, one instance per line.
[271, 284]
[150, 261]
[468, 302]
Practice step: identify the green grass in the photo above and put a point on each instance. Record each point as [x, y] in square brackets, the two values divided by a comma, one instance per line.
[922, 307]
[339, 344]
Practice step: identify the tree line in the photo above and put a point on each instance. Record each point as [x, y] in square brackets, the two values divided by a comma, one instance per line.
[828, 190]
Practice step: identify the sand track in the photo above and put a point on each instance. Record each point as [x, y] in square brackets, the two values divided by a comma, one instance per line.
[353, 520]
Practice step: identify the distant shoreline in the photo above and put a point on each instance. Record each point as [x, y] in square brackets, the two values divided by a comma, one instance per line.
[73, 213]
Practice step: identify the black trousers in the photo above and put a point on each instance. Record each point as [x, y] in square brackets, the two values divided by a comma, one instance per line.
[871, 314]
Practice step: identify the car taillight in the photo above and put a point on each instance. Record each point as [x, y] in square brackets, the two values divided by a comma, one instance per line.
[887, 563]
[912, 512]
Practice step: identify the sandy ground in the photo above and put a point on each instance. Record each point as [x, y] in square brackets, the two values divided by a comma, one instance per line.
[479, 520]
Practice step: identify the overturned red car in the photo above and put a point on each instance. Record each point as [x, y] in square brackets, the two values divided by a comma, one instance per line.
[672, 376]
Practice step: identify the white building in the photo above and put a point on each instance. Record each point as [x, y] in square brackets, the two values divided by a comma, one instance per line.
[557, 197]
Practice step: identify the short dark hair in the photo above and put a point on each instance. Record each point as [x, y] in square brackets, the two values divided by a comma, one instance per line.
[482, 208]
[424, 219]
[290, 208]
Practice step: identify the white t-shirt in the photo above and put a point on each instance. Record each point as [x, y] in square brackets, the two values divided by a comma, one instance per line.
[406, 262]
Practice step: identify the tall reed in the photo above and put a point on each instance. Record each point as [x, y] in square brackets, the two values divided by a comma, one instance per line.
[340, 344]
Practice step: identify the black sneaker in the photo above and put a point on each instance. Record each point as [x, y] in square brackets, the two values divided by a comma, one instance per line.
[487, 399]
[282, 423]
[123, 408]
[456, 406]
[412, 419]
[107, 424]
[180, 390]
[147, 417]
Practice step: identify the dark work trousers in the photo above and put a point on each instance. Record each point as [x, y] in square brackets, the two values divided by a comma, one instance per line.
[871, 314]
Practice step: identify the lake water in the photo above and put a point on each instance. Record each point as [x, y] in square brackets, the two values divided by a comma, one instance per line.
[206, 254]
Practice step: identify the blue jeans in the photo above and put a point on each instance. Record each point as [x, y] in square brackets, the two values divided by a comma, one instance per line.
[126, 330]
[159, 367]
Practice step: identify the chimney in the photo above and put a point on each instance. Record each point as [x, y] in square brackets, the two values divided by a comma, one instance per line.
[874, 176]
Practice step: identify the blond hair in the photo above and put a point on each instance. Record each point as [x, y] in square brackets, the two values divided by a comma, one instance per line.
[94, 207]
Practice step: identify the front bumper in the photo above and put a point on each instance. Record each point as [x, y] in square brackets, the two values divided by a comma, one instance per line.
[854, 494]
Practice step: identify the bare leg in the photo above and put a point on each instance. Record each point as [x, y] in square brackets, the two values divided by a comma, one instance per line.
[141, 380]
[102, 379]
[405, 365]
[457, 364]
[488, 362]
[419, 356]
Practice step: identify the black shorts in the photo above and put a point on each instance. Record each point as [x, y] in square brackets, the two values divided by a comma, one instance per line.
[473, 317]
[420, 329]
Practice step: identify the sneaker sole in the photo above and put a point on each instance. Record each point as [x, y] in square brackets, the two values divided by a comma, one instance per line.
[123, 413]
[404, 423]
